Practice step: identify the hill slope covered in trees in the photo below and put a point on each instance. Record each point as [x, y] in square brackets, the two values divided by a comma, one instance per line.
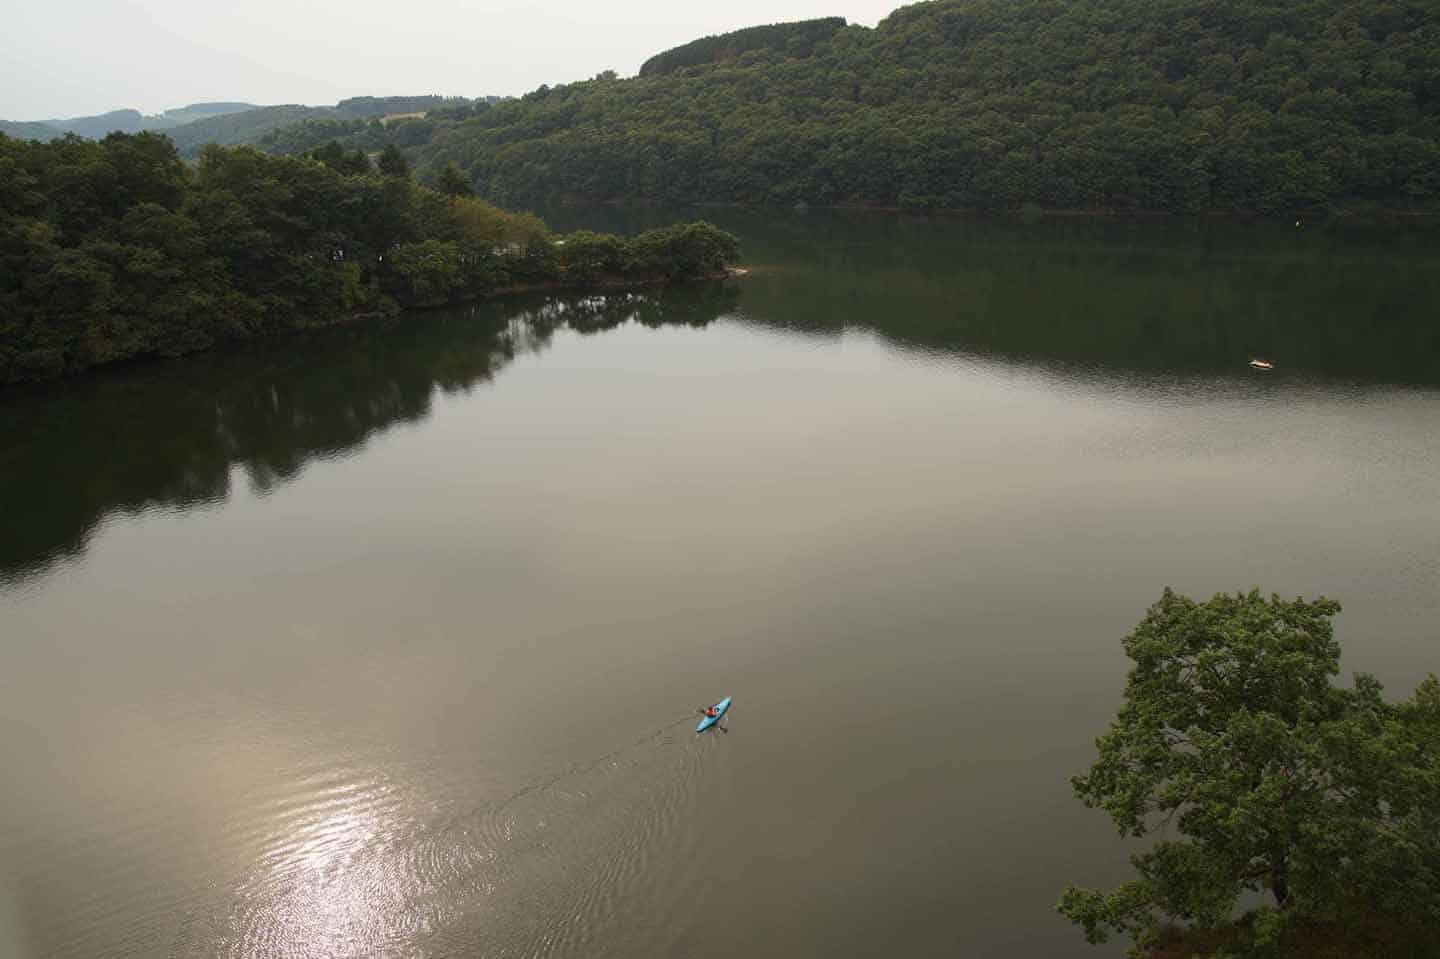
[253, 126]
[788, 39]
[1173, 105]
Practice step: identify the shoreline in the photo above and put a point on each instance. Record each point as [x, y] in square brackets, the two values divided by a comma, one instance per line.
[367, 316]
[607, 286]
[1020, 212]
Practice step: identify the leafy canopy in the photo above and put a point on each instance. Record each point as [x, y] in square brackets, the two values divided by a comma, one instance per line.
[453, 182]
[1261, 775]
[392, 162]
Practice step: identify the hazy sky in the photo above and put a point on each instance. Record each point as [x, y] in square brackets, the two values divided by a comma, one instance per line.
[61, 58]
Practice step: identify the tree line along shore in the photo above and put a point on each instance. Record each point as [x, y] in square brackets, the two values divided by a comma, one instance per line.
[117, 249]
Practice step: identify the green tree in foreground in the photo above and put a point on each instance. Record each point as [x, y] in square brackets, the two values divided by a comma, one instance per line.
[1264, 777]
[392, 162]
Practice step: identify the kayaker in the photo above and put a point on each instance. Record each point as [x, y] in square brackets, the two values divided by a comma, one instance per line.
[711, 712]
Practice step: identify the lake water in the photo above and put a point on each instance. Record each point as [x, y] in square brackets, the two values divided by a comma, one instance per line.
[388, 642]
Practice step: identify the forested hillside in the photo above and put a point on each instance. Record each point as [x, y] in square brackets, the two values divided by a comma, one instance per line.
[1170, 105]
[787, 39]
[241, 128]
[360, 124]
[118, 249]
[346, 117]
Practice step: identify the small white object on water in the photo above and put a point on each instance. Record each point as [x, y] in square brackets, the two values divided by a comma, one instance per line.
[1262, 364]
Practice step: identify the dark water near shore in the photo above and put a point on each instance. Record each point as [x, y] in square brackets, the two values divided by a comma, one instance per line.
[386, 642]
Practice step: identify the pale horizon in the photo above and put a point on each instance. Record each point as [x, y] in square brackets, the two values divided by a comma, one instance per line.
[72, 58]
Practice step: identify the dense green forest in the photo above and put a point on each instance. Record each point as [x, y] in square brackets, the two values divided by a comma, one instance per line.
[1165, 105]
[787, 39]
[367, 134]
[1174, 105]
[117, 248]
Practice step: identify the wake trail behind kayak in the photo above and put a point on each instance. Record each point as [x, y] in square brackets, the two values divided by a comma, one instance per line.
[549, 869]
[588, 765]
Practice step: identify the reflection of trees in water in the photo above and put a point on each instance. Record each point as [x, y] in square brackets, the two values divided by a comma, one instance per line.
[171, 435]
[690, 305]
[1163, 294]
[1145, 298]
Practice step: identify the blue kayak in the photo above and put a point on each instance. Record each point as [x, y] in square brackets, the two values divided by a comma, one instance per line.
[720, 709]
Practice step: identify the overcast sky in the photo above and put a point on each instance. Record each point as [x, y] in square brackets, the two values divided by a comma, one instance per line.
[62, 58]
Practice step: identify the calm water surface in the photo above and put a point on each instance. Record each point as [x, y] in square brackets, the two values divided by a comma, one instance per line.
[388, 642]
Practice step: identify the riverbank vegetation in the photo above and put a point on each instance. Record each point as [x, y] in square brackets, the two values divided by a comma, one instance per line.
[1265, 780]
[1170, 105]
[116, 249]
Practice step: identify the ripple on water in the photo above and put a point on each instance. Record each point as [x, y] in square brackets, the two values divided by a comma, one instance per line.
[343, 866]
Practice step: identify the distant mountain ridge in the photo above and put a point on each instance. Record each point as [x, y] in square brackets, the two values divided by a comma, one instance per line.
[29, 130]
[119, 121]
[122, 121]
[227, 123]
